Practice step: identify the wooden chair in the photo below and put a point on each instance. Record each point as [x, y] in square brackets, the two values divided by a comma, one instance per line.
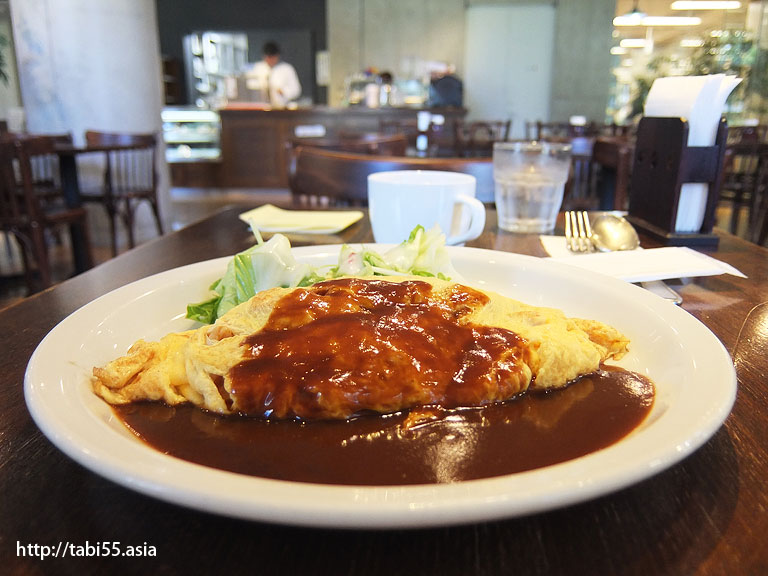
[24, 214]
[612, 165]
[758, 230]
[46, 176]
[437, 140]
[600, 173]
[580, 188]
[407, 126]
[745, 155]
[378, 143]
[374, 143]
[329, 178]
[476, 139]
[130, 177]
[558, 131]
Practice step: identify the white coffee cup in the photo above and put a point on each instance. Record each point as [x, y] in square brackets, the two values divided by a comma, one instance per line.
[400, 200]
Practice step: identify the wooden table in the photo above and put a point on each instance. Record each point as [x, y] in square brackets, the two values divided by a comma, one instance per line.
[70, 186]
[706, 515]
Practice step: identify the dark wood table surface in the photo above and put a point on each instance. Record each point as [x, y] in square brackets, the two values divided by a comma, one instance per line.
[705, 515]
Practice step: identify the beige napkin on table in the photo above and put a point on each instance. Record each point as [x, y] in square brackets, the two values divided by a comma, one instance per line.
[269, 218]
[641, 265]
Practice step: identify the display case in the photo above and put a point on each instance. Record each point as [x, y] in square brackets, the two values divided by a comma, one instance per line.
[211, 59]
[191, 134]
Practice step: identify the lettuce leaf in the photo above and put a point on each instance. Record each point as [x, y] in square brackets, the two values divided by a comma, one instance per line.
[271, 264]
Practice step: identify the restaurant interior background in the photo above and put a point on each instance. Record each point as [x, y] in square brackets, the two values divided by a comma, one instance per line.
[137, 65]
[519, 59]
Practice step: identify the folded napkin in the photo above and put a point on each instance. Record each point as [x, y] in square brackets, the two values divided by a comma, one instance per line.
[269, 218]
[641, 265]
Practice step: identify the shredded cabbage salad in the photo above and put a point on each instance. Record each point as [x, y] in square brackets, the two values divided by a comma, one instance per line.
[271, 264]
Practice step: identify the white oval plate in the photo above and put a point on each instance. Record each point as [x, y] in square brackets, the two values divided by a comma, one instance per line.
[694, 376]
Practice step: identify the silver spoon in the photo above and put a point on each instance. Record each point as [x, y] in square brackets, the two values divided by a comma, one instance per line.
[611, 232]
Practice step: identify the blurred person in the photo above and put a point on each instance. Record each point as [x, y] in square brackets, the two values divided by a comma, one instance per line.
[277, 78]
[390, 94]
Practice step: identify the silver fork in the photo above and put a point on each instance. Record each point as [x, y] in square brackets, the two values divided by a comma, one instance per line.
[578, 232]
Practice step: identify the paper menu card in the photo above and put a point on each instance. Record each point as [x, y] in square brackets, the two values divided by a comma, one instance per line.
[700, 100]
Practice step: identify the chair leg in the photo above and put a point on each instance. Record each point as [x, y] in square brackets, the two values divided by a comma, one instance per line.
[40, 251]
[128, 221]
[761, 235]
[112, 215]
[24, 249]
[735, 211]
[156, 212]
[8, 247]
[85, 234]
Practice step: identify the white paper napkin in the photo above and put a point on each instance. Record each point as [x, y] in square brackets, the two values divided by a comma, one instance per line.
[641, 265]
[269, 218]
[700, 100]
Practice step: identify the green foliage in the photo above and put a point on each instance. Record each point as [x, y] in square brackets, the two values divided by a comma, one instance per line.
[4, 43]
[732, 52]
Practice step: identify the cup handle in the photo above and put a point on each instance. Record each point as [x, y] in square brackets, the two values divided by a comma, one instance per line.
[476, 223]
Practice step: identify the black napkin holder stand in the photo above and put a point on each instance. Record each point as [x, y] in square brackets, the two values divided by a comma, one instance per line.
[663, 162]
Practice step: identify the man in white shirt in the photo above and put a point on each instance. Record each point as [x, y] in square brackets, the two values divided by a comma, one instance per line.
[277, 78]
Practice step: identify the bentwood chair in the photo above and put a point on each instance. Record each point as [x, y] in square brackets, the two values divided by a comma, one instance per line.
[760, 235]
[476, 139]
[744, 158]
[330, 178]
[431, 140]
[373, 143]
[45, 168]
[24, 213]
[130, 177]
[612, 166]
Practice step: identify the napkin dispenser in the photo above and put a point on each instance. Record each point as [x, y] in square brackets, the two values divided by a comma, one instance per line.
[663, 162]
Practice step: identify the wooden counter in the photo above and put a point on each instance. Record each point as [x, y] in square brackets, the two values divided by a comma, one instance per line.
[253, 140]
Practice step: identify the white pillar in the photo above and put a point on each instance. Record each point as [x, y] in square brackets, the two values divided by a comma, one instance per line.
[90, 64]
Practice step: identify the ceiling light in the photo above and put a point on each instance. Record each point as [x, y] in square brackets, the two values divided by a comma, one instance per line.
[618, 50]
[691, 42]
[633, 43]
[704, 5]
[657, 21]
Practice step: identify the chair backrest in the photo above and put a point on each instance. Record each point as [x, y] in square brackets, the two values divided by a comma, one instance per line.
[12, 205]
[341, 178]
[46, 176]
[477, 138]
[436, 137]
[96, 138]
[613, 156]
[19, 201]
[565, 130]
[375, 143]
[747, 133]
[131, 166]
[760, 233]
[382, 144]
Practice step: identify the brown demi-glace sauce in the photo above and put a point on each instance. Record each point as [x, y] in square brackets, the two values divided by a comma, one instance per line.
[530, 431]
[425, 444]
[349, 345]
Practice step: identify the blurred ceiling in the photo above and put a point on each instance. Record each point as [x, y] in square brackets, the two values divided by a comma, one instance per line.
[662, 35]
